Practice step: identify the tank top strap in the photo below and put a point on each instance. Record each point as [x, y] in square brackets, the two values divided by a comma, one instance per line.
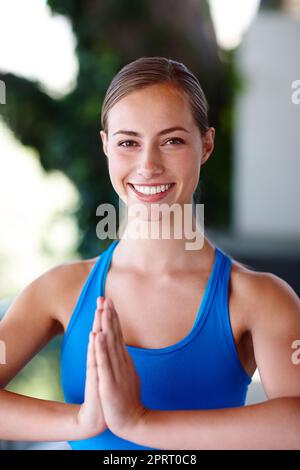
[106, 261]
[86, 302]
[224, 282]
[222, 288]
[223, 312]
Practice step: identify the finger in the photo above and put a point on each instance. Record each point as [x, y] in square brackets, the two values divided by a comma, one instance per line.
[97, 321]
[90, 355]
[91, 384]
[104, 368]
[111, 340]
[100, 301]
[114, 346]
[97, 318]
[118, 331]
[107, 327]
[115, 320]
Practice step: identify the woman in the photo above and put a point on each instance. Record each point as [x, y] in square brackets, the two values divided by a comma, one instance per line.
[166, 359]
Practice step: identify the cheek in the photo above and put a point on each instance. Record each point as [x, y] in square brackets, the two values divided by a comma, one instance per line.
[119, 169]
[188, 167]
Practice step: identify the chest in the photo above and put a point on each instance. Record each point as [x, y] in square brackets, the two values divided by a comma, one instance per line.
[155, 313]
[159, 312]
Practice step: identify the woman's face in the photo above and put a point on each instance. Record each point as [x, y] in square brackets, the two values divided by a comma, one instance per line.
[142, 151]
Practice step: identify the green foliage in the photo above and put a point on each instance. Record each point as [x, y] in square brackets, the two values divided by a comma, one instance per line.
[271, 4]
[110, 34]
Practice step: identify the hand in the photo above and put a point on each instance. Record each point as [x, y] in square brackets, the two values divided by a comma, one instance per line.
[120, 384]
[90, 418]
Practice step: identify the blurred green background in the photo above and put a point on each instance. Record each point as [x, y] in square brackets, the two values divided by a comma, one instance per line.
[61, 133]
[53, 173]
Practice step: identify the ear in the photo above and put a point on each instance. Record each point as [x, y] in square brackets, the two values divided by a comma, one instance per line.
[208, 144]
[103, 136]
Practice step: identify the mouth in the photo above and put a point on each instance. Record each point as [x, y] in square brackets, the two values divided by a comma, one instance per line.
[151, 193]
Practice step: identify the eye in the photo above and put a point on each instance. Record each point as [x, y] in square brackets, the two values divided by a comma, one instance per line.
[176, 139]
[120, 144]
[173, 139]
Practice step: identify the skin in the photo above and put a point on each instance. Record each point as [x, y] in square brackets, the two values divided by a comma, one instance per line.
[152, 160]
[270, 425]
[256, 426]
[27, 418]
[264, 312]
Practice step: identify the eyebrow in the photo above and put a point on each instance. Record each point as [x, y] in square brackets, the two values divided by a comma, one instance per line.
[165, 131]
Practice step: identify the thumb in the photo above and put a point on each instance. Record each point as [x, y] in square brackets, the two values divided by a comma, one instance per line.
[91, 383]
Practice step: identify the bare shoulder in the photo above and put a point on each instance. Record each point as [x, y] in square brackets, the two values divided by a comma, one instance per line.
[68, 271]
[64, 283]
[262, 296]
[62, 277]
[38, 312]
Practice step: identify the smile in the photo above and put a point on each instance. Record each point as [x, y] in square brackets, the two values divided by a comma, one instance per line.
[151, 193]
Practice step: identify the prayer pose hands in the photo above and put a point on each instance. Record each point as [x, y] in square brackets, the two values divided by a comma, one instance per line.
[113, 387]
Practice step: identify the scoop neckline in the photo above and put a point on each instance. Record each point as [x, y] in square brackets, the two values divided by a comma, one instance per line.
[199, 317]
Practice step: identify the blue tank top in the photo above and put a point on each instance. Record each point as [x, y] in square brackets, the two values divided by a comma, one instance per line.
[201, 371]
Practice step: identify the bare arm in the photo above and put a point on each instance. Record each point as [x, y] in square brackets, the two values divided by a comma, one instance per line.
[273, 424]
[28, 326]
[33, 419]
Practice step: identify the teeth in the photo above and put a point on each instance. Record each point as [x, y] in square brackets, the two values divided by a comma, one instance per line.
[151, 189]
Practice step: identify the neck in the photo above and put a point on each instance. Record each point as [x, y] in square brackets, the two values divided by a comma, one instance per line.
[158, 254]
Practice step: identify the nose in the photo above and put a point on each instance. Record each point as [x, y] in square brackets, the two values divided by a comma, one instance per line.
[149, 164]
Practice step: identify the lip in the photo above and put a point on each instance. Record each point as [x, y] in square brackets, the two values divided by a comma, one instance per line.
[150, 184]
[152, 197]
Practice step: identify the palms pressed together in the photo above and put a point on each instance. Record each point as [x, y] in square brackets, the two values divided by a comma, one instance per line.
[113, 387]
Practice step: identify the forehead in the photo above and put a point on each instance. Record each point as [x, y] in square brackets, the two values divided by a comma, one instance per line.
[154, 105]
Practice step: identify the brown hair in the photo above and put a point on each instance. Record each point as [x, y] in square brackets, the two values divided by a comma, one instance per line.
[147, 71]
